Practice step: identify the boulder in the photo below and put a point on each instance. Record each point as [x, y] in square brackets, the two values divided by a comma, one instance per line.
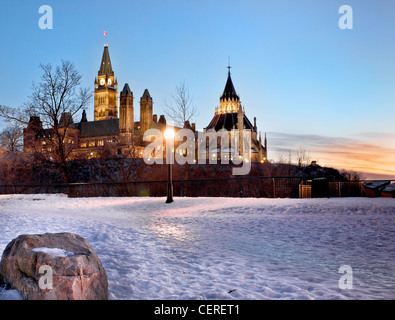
[54, 266]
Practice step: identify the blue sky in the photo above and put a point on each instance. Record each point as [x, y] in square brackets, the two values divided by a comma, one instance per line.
[292, 66]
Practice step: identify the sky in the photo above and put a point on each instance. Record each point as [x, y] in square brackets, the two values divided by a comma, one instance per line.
[310, 84]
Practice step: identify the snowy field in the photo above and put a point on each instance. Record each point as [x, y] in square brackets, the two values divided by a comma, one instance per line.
[222, 248]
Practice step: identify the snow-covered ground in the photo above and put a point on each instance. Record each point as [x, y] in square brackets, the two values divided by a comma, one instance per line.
[222, 248]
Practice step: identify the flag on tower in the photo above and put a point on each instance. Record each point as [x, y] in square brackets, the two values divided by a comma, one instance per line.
[105, 34]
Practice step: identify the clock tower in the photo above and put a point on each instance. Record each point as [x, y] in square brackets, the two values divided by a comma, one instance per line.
[106, 90]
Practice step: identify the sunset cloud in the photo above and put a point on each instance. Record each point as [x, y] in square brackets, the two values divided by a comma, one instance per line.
[369, 153]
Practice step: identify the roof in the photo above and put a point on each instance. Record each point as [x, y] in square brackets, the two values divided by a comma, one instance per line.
[375, 184]
[84, 118]
[162, 120]
[35, 122]
[105, 66]
[389, 188]
[228, 121]
[107, 127]
[229, 91]
[146, 95]
[66, 119]
[126, 90]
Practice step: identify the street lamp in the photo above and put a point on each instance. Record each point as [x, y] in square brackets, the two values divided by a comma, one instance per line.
[169, 136]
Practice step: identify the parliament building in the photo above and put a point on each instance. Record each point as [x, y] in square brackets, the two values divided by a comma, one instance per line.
[114, 131]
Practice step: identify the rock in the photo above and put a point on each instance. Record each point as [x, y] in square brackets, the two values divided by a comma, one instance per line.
[77, 272]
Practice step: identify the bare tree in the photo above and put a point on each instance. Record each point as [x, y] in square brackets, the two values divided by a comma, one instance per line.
[281, 159]
[181, 108]
[11, 139]
[57, 94]
[303, 158]
[129, 165]
[289, 160]
[351, 175]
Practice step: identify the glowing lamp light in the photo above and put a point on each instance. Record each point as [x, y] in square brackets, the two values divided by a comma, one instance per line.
[169, 134]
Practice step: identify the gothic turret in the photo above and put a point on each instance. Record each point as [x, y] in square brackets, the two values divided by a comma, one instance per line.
[84, 118]
[240, 127]
[126, 117]
[146, 107]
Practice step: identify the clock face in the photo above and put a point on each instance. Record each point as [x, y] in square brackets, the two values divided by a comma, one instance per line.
[102, 82]
[109, 82]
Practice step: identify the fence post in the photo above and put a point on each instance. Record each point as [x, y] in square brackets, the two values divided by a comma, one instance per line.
[340, 193]
[274, 188]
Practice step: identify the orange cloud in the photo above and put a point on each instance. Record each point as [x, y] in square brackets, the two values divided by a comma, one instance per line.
[372, 155]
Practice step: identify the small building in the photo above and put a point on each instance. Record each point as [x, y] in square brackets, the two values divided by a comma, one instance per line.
[373, 188]
[388, 191]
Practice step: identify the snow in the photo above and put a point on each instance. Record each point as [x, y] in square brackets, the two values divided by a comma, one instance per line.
[390, 188]
[9, 294]
[222, 248]
[376, 184]
[56, 252]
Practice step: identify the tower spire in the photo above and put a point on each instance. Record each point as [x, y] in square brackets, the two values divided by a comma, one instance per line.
[265, 141]
[229, 91]
[229, 102]
[105, 66]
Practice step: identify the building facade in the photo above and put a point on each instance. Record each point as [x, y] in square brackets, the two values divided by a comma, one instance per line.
[230, 115]
[114, 131]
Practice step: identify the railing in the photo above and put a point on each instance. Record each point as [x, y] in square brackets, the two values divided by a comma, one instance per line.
[246, 186]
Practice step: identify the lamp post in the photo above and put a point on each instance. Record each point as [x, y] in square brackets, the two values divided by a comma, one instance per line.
[169, 136]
